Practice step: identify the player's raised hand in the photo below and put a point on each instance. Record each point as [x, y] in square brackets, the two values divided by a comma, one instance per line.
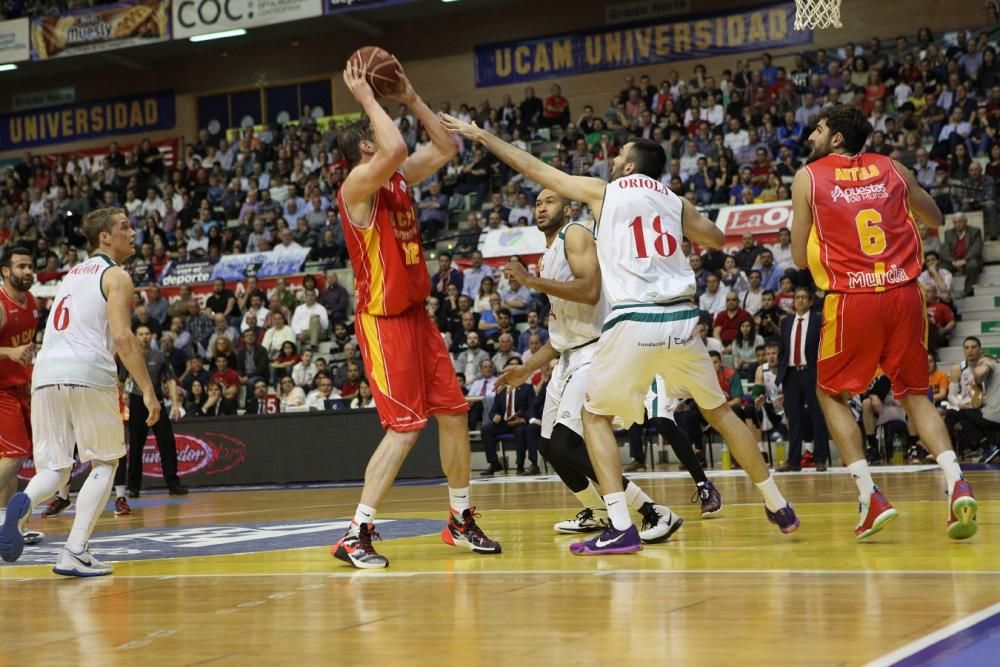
[153, 406]
[404, 92]
[460, 127]
[357, 83]
[512, 376]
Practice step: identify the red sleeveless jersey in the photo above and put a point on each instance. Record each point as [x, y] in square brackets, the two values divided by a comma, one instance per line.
[864, 238]
[390, 275]
[19, 325]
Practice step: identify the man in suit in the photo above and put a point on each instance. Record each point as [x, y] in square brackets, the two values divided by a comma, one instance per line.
[962, 251]
[797, 377]
[260, 403]
[509, 415]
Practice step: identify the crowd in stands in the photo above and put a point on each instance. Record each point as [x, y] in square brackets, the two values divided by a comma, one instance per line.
[735, 136]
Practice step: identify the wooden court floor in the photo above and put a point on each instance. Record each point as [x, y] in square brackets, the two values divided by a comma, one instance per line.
[726, 591]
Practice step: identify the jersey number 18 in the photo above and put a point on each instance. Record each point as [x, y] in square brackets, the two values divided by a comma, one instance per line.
[664, 244]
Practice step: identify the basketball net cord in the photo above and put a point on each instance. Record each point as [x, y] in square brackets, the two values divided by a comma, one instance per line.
[817, 14]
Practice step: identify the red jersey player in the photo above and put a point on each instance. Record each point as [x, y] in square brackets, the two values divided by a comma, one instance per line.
[854, 227]
[18, 323]
[405, 358]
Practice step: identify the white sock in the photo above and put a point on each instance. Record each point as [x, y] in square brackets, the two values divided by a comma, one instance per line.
[618, 510]
[772, 496]
[862, 475]
[591, 498]
[364, 514]
[459, 499]
[90, 503]
[119, 491]
[635, 496]
[949, 464]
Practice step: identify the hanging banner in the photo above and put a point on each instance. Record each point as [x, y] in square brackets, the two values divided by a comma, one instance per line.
[514, 241]
[200, 17]
[135, 114]
[260, 264]
[43, 98]
[102, 28]
[764, 221]
[599, 50]
[340, 6]
[15, 43]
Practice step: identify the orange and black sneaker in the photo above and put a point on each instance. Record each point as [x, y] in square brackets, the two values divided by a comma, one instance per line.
[962, 522]
[357, 550]
[877, 512]
[467, 534]
[56, 507]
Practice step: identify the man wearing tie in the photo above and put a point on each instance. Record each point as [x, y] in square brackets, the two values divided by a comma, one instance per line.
[797, 376]
[509, 415]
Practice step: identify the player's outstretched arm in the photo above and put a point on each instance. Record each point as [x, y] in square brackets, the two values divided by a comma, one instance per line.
[518, 374]
[390, 149]
[426, 161]
[921, 203]
[582, 188]
[585, 287]
[700, 229]
[117, 284]
[802, 217]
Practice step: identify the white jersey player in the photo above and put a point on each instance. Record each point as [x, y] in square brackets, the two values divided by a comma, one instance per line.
[74, 393]
[650, 329]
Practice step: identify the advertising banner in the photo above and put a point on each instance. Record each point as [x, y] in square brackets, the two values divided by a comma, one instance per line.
[102, 28]
[15, 40]
[604, 49]
[764, 221]
[340, 6]
[186, 273]
[43, 98]
[516, 241]
[134, 114]
[260, 264]
[200, 17]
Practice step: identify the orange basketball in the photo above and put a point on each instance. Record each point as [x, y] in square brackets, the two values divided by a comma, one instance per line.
[380, 66]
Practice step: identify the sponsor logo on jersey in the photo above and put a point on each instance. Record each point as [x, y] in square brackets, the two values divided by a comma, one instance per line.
[222, 539]
[894, 276]
[856, 173]
[872, 192]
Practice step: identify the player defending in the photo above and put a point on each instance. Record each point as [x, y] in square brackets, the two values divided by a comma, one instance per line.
[854, 229]
[648, 284]
[18, 323]
[570, 274]
[74, 395]
[411, 374]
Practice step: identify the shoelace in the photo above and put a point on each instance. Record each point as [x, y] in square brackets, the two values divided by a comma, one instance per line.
[365, 539]
[586, 514]
[650, 517]
[701, 493]
[469, 526]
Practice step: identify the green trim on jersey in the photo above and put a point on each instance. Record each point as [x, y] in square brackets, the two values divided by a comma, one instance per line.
[651, 317]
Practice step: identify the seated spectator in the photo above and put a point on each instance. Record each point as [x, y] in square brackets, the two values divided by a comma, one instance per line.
[935, 275]
[479, 391]
[751, 299]
[744, 348]
[257, 403]
[523, 210]
[364, 398]
[732, 276]
[446, 275]
[505, 351]
[310, 322]
[770, 272]
[349, 387]
[305, 370]
[940, 320]
[962, 251]
[195, 398]
[282, 365]
[176, 358]
[222, 301]
[484, 297]
[516, 298]
[323, 395]
[713, 301]
[938, 382]
[504, 325]
[142, 316]
[225, 377]
[473, 276]
[195, 370]
[782, 250]
[224, 347]
[277, 335]
[930, 243]
[459, 336]
[222, 329]
[216, 403]
[768, 318]
[727, 323]
[508, 415]
[252, 360]
[469, 361]
[785, 297]
[701, 330]
[433, 208]
[978, 193]
[534, 329]
[290, 395]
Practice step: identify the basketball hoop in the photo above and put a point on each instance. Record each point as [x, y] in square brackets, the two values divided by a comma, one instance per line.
[817, 14]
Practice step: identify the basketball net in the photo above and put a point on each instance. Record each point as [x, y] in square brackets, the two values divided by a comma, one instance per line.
[817, 14]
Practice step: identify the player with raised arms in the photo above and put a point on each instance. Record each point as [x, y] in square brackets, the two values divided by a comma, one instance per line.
[649, 331]
[406, 361]
[854, 227]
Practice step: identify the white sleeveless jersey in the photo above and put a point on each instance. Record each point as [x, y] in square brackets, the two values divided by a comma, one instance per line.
[639, 243]
[770, 379]
[77, 348]
[571, 324]
[965, 380]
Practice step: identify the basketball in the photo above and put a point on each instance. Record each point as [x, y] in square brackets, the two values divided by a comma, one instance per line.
[380, 68]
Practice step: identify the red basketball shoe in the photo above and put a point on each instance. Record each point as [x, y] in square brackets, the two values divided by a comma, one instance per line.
[875, 514]
[357, 550]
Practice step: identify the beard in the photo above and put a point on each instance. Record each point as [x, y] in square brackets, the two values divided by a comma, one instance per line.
[22, 284]
[554, 221]
[819, 151]
[616, 172]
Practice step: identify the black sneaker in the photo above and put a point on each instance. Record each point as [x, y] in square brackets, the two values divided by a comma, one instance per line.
[56, 507]
[178, 490]
[466, 533]
[658, 523]
[989, 453]
[710, 499]
[357, 550]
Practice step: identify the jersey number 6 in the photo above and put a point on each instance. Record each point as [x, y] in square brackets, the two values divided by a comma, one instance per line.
[871, 236]
[60, 317]
[664, 244]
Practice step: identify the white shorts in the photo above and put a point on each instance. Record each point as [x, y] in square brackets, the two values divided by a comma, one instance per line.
[565, 391]
[662, 401]
[64, 417]
[637, 344]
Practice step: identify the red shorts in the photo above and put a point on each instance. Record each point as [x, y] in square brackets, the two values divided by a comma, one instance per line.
[866, 330]
[15, 423]
[409, 369]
